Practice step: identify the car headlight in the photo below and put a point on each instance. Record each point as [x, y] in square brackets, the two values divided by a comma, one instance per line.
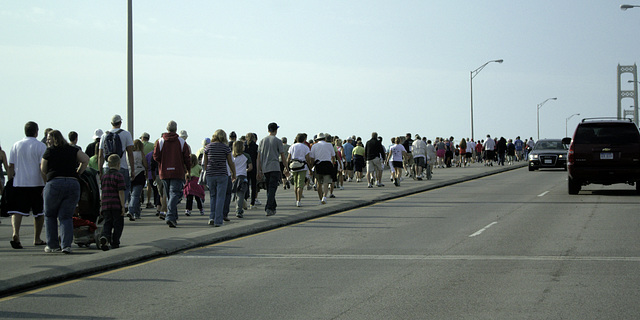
[560, 156]
[533, 157]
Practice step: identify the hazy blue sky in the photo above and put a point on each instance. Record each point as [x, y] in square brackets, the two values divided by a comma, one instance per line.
[343, 67]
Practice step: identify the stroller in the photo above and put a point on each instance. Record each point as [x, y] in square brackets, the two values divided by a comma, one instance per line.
[87, 222]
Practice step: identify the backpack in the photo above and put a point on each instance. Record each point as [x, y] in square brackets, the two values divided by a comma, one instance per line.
[113, 144]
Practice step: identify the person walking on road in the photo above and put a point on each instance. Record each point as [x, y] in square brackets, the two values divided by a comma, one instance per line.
[28, 183]
[174, 160]
[268, 165]
[323, 157]
[374, 153]
[62, 164]
[217, 157]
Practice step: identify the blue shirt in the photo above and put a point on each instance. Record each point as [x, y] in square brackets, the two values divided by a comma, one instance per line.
[519, 144]
[348, 150]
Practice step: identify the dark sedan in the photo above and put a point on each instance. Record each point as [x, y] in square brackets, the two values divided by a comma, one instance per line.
[548, 153]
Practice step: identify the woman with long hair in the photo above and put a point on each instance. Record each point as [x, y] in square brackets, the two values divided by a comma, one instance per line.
[140, 172]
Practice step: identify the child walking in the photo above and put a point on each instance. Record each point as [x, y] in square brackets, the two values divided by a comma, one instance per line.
[112, 204]
[193, 189]
[242, 162]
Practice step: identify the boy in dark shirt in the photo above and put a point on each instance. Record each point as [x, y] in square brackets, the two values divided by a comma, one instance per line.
[112, 204]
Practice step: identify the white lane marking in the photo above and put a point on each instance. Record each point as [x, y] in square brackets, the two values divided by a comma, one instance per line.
[477, 233]
[542, 194]
[407, 257]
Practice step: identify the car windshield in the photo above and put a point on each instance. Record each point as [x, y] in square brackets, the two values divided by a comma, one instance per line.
[607, 133]
[549, 145]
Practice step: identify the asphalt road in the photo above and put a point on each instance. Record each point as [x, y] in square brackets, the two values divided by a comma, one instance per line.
[510, 246]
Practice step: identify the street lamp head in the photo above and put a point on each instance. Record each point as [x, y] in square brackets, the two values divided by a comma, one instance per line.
[499, 61]
[625, 7]
[554, 98]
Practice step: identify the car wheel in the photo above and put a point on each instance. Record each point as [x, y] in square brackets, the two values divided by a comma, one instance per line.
[637, 187]
[574, 187]
[531, 168]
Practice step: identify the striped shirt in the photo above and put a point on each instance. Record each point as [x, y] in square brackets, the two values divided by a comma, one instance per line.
[217, 159]
[112, 183]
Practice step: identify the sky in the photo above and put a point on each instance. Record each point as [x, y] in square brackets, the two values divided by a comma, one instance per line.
[340, 67]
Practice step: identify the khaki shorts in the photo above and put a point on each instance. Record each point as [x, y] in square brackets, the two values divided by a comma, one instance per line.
[374, 165]
[324, 178]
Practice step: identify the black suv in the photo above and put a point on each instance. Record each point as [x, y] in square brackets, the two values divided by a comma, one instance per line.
[604, 152]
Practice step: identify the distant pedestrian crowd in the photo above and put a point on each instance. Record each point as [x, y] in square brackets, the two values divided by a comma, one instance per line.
[66, 188]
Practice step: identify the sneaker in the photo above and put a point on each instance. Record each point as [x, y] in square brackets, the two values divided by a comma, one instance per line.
[324, 200]
[171, 224]
[187, 213]
[149, 205]
[298, 204]
[162, 215]
[104, 243]
[50, 250]
[270, 212]
[380, 185]
[369, 186]
[239, 215]
[66, 250]
[332, 196]
[226, 219]
[202, 212]
[258, 202]
[341, 188]
[130, 216]
[211, 222]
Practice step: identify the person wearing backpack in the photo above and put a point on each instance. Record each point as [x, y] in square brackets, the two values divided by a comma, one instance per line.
[117, 141]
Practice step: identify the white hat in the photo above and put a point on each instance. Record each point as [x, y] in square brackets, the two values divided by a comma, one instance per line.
[183, 134]
[97, 134]
[320, 136]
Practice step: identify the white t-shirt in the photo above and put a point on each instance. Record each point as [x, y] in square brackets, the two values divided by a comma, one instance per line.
[240, 163]
[126, 140]
[299, 151]
[419, 149]
[490, 144]
[471, 146]
[396, 152]
[322, 151]
[26, 155]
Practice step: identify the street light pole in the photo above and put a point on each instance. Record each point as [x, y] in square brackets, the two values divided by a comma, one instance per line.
[130, 68]
[473, 74]
[566, 121]
[538, 113]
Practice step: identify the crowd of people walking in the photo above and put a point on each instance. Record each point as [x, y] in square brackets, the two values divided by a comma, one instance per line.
[44, 175]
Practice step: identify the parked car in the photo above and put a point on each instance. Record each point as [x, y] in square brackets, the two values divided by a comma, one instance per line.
[548, 153]
[604, 151]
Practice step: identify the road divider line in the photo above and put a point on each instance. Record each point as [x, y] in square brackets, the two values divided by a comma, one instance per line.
[407, 257]
[477, 233]
[543, 194]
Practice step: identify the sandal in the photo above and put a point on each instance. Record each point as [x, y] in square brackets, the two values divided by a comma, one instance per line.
[15, 244]
[39, 243]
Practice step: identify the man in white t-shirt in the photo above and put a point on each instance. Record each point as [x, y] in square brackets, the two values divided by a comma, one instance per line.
[323, 155]
[419, 156]
[489, 147]
[28, 184]
[127, 150]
